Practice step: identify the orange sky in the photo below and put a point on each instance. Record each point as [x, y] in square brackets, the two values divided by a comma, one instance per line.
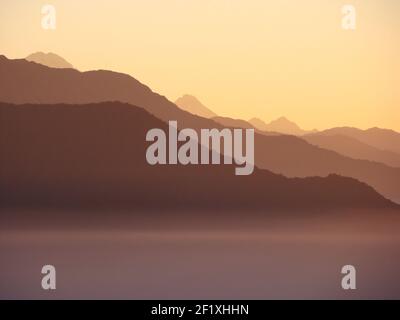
[242, 58]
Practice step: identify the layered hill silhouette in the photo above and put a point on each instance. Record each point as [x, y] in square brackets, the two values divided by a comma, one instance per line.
[193, 105]
[227, 122]
[354, 148]
[383, 139]
[93, 156]
[258, 123]
[280, 125]
[27, 82]
[233, 123]
[294, 157]
[51, 60]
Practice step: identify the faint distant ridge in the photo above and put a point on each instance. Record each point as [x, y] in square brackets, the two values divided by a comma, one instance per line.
[354, 148]
[233, 123]
[384, 139]
[191, 104]
[281, 125]
[50, 59]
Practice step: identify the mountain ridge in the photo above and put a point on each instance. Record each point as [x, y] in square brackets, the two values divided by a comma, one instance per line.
[351, 147]
[26, 82]
[281, 125]
[384, 139]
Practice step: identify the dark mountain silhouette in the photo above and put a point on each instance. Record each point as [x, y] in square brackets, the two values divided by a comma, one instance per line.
[27, 82]
[281, 125]
[383, 139]
[51, 60]
[354, 148]
[93, 156]
[193, 105]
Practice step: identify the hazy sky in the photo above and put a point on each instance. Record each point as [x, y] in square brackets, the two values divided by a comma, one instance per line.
[241, 58]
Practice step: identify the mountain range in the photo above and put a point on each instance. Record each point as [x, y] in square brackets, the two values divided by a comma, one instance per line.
[353, 148]
[24, 82]
[382, 139]
[375, 144]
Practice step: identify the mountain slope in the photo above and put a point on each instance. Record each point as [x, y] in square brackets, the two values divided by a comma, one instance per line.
[233, 123]
[93, 156]
[353, 148]
[383, 139]
[193, 105]
[294, 157]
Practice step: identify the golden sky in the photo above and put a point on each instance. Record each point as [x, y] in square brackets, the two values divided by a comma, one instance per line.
[241, 58]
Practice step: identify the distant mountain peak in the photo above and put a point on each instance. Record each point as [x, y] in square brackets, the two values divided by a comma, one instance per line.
[258, 123]
[193, 105]
[49, 59]
[284, 121]
[281, 125]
